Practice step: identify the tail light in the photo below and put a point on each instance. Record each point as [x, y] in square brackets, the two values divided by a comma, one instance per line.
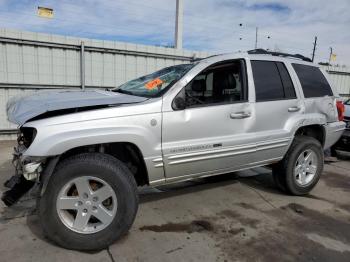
[341, 110]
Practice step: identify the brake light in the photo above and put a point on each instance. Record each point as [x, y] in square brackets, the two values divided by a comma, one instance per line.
[341, 110]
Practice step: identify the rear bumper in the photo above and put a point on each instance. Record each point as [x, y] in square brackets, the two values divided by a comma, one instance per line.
[346, 134]
[333, 132]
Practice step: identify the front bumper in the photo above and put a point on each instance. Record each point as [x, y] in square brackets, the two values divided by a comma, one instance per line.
[333, 132]
[29, 167]
[27, 171]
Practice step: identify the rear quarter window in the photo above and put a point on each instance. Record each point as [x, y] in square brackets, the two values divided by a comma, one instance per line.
[312, 80]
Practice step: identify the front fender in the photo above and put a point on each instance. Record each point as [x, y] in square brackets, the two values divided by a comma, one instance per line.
[51, 142]
[144, 131]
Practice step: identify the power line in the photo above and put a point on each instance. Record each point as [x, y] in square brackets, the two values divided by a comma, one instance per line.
[197, 21]
[110, 29]
[66, 21]
[202, 37]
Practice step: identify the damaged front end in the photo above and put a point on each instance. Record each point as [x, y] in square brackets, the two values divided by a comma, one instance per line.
[37, 107]
[27, 169]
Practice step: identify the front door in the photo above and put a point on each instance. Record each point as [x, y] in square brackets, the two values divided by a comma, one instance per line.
[213, 133]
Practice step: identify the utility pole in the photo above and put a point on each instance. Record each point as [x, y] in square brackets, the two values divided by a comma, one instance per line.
[330, 56]
[82, 65]
[179, 24]
[313, 51]
[256, 37]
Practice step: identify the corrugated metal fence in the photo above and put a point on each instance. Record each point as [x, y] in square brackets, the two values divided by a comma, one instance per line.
[35, 61]
[340, 78]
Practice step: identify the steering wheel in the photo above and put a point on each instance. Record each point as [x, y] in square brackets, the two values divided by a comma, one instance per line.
[193, 98]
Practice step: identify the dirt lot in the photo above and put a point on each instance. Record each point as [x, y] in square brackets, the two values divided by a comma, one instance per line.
[234, 217]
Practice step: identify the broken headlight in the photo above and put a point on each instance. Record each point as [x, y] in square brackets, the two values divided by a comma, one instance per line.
[26, 136]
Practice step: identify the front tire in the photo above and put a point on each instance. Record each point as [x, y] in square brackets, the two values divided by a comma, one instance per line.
[90, 201]
[301, 168]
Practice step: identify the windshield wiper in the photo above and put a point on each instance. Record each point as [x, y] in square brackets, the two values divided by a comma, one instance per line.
[124, 91]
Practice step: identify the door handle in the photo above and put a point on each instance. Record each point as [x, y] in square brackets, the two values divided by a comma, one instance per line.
[294, 109]
[240, 115]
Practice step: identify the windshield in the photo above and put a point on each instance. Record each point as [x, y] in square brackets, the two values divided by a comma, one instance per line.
[347, 102]
[156, 83]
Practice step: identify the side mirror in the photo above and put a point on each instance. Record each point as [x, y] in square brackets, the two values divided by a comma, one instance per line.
[179, 103]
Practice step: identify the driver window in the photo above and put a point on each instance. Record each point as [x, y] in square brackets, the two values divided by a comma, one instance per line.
[218, 84]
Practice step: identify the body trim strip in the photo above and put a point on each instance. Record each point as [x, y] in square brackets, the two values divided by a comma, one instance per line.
[211, 173]
[212, 156]
[226, 152]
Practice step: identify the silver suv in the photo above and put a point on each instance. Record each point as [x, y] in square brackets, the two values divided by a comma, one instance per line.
[90, 150]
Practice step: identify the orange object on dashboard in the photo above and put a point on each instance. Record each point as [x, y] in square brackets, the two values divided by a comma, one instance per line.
[154, 83]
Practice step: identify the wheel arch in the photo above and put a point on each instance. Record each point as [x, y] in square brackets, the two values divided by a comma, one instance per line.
[315, 130]
[128, 153]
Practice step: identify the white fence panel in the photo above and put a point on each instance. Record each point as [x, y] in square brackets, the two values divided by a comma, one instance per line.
[35, 61]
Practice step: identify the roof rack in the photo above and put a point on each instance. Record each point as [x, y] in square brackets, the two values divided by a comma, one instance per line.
[265, 52]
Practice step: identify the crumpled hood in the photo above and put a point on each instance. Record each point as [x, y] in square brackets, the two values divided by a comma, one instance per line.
[20, 109]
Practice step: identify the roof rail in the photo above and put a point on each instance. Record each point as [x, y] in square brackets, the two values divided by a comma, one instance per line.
[261, 51]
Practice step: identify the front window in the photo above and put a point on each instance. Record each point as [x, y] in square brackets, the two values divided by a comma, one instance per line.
[156, 83]
[347, 102]
[221, 83]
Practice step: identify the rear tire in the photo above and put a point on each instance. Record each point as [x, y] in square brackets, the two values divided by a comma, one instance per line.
[301, 168]
[118, 199]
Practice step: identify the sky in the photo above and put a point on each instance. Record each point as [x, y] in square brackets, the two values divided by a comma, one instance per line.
[216, 26]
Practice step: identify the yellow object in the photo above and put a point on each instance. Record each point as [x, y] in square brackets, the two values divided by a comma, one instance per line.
[333, 57]
[45, 12]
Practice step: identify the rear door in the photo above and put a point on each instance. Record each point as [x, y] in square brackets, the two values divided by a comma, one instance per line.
[277, 103]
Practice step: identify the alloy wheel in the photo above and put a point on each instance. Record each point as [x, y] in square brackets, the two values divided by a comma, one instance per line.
[86, 204]
[305, 167]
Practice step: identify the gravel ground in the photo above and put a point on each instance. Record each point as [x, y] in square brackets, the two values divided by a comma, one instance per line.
[234, 217]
